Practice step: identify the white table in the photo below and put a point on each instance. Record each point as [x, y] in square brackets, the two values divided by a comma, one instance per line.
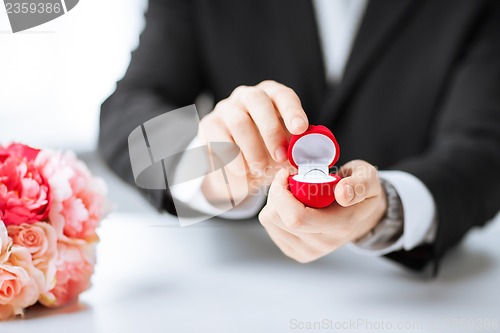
[153, 277]
[229, 277]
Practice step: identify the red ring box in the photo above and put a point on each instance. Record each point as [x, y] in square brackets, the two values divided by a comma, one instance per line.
[313, 153]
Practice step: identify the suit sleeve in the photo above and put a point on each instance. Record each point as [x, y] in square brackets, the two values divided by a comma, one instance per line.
[164, 74]
[462, 166]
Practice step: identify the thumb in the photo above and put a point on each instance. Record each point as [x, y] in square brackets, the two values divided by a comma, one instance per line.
[279, 185]
[360, 181]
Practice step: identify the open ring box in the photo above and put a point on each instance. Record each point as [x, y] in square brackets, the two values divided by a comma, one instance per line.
[313, 153]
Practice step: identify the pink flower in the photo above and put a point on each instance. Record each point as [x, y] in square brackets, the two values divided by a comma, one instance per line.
[5, 243]
[18, 149]
[50, 207]
[20, 283]
[75, 265]
[24, 192]
[79, 200]
[40, 239]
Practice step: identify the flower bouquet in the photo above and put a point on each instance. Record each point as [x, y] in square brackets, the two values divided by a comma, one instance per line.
[50, 206]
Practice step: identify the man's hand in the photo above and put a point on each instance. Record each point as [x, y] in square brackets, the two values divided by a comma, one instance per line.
[260, 120]
[306, 234]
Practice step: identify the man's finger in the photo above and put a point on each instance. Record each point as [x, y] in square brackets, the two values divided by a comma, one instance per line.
[294, 215]
[288, 105]
[215, 131]
[360, 181]
[289, 243]
[283, 201]
[244, 133]
[279, 236]
[261, 108]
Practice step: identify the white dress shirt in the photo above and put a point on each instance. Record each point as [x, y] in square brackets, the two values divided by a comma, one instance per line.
[338, 22]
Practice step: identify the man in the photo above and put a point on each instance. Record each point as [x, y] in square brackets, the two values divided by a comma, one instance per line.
[411, 86]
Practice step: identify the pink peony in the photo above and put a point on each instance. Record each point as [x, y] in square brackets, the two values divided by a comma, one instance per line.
[20, 283]
[24, 192]
[79, 200]
[75, 264]
[40, 239]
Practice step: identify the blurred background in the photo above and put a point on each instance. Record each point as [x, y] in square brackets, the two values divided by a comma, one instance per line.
[54, 77]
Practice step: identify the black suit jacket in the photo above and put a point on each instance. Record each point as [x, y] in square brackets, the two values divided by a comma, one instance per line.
[420, 93]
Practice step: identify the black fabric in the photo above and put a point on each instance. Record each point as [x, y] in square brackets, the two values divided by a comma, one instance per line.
[421, 90]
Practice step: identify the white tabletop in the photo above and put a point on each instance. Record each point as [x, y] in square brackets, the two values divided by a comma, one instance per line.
[229, 277]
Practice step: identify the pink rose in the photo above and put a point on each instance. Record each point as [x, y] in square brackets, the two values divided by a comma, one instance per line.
[75, 265]
[79, 199]
[20, 283]
[5, 243]
[24, 192]
[40, 239]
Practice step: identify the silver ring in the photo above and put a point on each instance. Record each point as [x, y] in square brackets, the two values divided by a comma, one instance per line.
[305, 175]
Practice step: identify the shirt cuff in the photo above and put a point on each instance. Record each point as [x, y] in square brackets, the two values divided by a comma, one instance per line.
[419, 212]
[191, 195]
